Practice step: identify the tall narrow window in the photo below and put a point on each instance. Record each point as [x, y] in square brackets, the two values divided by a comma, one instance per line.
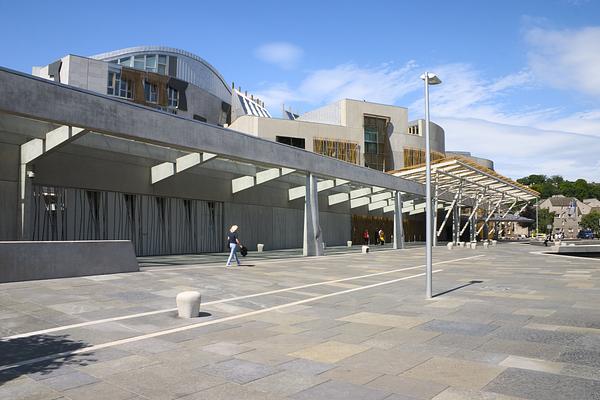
[150, 92]
[173, 100]
[151, 63]
[375, 137]
[139, 62]
[162, 64]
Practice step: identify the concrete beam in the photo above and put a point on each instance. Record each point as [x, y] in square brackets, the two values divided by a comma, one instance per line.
[298, 192]
[58, 137]
[167, 169]
[338, 198]
[378, 204]
[361, 201]
[248, 181]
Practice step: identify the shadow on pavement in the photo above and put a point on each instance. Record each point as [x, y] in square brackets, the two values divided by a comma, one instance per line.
[456, 288]
[57, 349]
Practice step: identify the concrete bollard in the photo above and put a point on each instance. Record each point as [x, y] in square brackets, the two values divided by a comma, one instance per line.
[349, 243]
[485, 245]
[324, 245]
[459, 244]
[449, 245]
[473, 245]
[494, 243]
[365, 249]
[188, 304]
[260, 247]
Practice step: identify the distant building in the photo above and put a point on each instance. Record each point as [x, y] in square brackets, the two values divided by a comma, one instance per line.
[568, 212]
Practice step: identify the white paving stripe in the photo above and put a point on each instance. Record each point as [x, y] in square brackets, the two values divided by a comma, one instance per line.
[201, 324]
[123, 317]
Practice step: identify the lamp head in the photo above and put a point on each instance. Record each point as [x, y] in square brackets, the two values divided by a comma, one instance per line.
[432, 78]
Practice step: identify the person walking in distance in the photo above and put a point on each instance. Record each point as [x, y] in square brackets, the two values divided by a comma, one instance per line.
[381, 237]
[234, 243]
[366, 236]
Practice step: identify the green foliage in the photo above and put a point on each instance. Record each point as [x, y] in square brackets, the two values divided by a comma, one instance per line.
[545, 218]
[591, 221]
[549, 186]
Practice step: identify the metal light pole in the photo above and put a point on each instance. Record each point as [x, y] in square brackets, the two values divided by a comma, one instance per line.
[430, 79]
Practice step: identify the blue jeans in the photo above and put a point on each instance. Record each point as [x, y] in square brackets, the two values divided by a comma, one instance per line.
[233, 247]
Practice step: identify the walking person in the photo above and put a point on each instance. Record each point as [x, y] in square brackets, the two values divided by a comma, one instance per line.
[233, 242]
[381, 237]
[366, 237]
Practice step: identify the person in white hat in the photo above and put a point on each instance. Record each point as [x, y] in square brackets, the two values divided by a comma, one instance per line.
[234, 243]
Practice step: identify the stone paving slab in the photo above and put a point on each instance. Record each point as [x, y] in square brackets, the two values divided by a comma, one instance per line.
[334, 390]
[541, 385]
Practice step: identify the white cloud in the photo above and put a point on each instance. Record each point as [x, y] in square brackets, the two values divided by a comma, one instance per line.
[521, 150]
[566, 59]
[383, 84]
[283, 54]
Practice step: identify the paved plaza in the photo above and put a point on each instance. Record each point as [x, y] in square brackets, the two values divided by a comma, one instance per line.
[506, 323]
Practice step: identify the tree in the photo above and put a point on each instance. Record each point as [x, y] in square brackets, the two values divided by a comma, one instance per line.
[547, 187]
[591, 221]
[545, 218]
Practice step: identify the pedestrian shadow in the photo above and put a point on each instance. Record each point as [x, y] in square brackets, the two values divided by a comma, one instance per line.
[39, 354]
[456, 288]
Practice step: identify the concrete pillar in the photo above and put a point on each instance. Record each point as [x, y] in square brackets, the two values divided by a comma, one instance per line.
[398, 227]
[313, 238]
[24, 204]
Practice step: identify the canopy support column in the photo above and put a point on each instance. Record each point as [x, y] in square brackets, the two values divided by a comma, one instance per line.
[398, 227]
[313, 238]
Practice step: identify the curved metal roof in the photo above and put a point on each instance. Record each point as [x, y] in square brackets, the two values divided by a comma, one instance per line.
[160, 49]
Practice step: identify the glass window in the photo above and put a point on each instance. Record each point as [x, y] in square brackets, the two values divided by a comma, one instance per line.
[150, 92]
[151, 63]
[162, 64]
[173, 100]
[126, 61]
[291, 141]
[117, 86]
[110, 89]
[139, 62]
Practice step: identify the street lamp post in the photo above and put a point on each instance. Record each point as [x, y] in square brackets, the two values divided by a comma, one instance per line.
[429, 79]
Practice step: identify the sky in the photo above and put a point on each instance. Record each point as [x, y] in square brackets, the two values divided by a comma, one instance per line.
[521, 79]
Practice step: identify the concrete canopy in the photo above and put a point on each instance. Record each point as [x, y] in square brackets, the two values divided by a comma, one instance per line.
[44, 100]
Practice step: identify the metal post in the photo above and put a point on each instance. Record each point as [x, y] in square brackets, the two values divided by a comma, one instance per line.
[428, 233]
[537, 227]
[435, 212]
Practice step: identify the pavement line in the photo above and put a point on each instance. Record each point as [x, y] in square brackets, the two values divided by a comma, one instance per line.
[123, 317]
[201, 324]
[263, 261]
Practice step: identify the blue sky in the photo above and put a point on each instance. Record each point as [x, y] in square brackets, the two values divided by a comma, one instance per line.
[521, 78]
